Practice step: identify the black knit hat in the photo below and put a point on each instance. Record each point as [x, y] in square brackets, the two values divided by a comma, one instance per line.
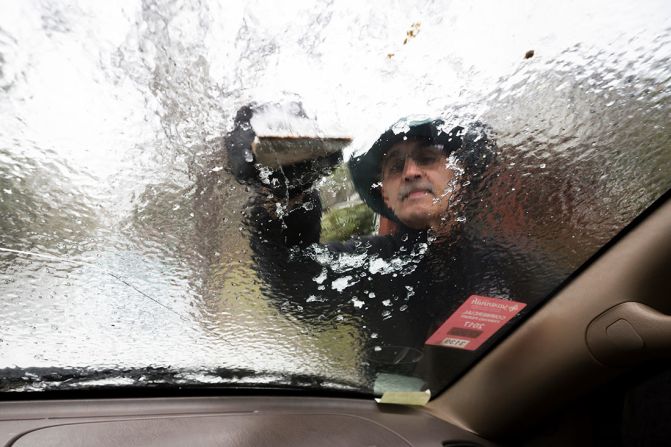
[366, 168]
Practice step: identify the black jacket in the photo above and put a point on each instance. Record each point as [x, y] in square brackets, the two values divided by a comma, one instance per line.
[398, 289]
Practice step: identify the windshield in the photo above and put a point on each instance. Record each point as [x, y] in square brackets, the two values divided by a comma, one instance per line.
[356, 196]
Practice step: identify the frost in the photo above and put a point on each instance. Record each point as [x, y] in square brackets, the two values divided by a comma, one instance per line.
[338, 262]
[403, 265]
[400, 127]
[279, 209]
[347, 262]
[386, 303]
[217, 169]
[419, 249]
[200, 377]
[357, 303]
[377, 265]
[561, 87]
[342, 283]
[110, 381]
[321, 278]
[264, 175]
[286, 119]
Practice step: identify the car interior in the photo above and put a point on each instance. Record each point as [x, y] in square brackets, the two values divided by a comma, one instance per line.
[589, 368]
[245, 224]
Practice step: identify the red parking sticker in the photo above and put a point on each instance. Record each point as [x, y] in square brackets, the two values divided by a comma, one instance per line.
[477, 319]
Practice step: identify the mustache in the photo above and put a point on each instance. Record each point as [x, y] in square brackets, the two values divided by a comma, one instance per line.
[416, 186]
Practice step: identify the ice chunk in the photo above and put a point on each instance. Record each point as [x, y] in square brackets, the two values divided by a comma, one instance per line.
[320, 279]
[342, 283]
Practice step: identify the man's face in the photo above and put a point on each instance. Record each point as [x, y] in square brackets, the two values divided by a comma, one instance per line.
[417, 183]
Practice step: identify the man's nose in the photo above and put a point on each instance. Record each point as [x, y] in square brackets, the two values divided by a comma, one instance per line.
[411, 170]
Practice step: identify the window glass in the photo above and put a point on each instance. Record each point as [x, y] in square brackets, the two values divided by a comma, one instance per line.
[192, 193]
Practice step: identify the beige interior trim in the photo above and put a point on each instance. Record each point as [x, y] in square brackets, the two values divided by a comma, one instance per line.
[546, 361]
[628, 334]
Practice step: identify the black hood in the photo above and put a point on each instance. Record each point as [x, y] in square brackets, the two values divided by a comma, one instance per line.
[469, 144]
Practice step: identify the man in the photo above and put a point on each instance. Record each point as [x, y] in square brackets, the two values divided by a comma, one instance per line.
[397, 288]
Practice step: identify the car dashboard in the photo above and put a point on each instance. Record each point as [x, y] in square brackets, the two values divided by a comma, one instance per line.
[240, 421]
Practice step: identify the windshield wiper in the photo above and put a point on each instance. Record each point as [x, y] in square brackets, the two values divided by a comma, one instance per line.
[42, 379]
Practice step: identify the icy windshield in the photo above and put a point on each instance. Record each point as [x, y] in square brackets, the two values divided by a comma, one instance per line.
[360, 196]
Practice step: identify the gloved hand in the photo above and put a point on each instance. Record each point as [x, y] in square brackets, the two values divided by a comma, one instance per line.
[286, 181]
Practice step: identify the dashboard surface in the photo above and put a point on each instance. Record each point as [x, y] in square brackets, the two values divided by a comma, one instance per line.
[223, 421]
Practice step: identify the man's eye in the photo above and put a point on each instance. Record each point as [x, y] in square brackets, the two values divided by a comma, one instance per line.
[395, 166]
[427, 159]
